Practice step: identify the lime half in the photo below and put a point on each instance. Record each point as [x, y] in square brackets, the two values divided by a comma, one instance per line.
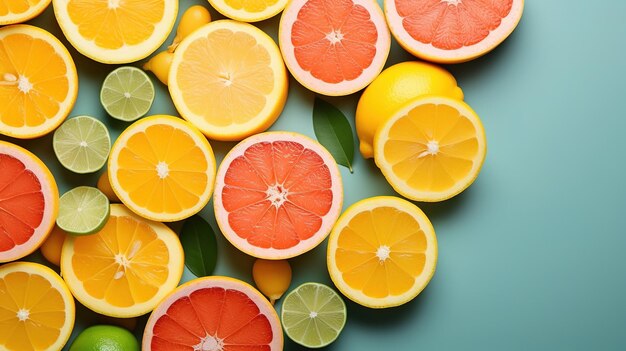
[82, 144]
[83, 210]
[313, 315]
[127, 93]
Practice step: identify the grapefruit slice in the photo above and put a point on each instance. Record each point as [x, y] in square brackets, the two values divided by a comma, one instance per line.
[29, 202]
[334, 47]
[277, 195]
[214, 313]
[452, 31]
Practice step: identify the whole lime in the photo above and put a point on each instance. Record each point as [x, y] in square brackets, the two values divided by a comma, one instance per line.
[105, 338]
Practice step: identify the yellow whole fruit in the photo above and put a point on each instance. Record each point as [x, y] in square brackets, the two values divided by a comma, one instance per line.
[394, 87]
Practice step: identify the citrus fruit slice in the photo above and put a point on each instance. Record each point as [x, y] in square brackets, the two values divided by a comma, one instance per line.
[394, 87]
[249, 10]
[82, 144]
[29, 202]
[38, 82]
[382, 252]
[83, 210]
[105, 337]
[431, 149]
[452, 31]
[277, 195]
[116, 31]
[229, 80]
[162, 168]
[313, 315]
[213, 313]
[334, 47]
[12, 11]
[127, 93]
[126, 268]
[36, 308]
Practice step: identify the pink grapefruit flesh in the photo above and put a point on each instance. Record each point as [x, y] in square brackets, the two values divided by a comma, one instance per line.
[214, 313]
[28, 202]
[452, 31]
[277, 195]
[334, 47]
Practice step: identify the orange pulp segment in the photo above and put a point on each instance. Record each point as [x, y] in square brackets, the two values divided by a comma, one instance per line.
[16, 11]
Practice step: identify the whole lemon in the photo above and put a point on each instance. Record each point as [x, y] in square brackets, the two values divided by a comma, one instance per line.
[105, 337]
[395, 86]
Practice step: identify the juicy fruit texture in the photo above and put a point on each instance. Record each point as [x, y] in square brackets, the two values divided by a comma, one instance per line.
[83, 210]
[12, 11]
[126, 268]
[38, 82]
[229, 80]
[193, 18]
[334, 47]
[432, 149]
[272, 277]
[452, 31]
[249, 10]
[277, 195]
[105, 337]
[105, 187]
[29, 202]
[127, 93]
[114, 31]
[382, 252]
[214, 313]
[394, 87]
[82, 144]
[313, 315]
[36, 309]
[162, 168]
[51, 248]
[160, 65]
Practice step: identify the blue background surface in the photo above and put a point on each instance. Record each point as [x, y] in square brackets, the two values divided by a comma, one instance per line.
[532, 254]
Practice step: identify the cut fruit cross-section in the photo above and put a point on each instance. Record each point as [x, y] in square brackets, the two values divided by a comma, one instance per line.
[12, 11]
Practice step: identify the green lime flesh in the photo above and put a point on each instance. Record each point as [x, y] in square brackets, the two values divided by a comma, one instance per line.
[82, 144]
[83, 210]
[127, 93]
[105, 337]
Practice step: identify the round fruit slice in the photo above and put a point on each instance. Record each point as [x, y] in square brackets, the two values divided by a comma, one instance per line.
[38, 82]
[83, 210]
[36, 308]
[116, 31]
[82, 144]
[249, 10]
[313, 315]
[277, 195]
[452, 31]
[334, 47]
[213, 313]
[127, 93]
[29, 202]
[162, 168]
[12, 11]
[382, 252]
[126, 268]
[229, 80]
[431, 149]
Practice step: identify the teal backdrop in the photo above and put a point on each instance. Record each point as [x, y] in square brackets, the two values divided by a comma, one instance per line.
[532, 255]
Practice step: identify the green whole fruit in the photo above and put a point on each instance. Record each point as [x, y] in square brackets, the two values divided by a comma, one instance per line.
[105, 338]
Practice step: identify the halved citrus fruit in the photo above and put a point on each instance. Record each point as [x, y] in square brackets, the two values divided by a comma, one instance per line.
[212, 314]
[38, 82]
[277, 195]
[126, 268]
[116, 31]
[29, 202]
[382, 252]
[452, 31]
[334, 47]
[229, 80]
[12, 11]
[431, 149]
[162, 168]
[36, 309]
[249, 10]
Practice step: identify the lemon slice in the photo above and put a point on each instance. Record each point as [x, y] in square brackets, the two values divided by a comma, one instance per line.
[249, 10]
[12, 11]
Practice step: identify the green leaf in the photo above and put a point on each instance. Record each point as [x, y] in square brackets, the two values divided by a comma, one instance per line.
[333, 130]
[200, 246]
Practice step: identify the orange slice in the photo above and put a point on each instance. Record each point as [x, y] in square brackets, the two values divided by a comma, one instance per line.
[38, 82]
[17, 11]
[382, 252]
[162, 168]
[126, 268]
[249, 10]
[116, 31]
[36, 308]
